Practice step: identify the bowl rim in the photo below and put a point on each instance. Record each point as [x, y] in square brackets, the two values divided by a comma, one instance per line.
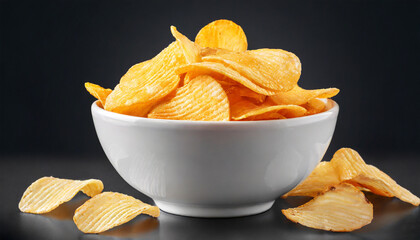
[134, 119]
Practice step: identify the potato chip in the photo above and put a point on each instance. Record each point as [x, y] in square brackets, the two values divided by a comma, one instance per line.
[241, 91]
[110, 209]
[299, 96]
[132, 73]
[209, 68]
[343, 208]
[47, 193]
[350, 167]
[272, 69]
[223, 80]
[380, 183]
[212, 51]
[147, 84]
[321, 178]
[245, 109]
[202, 99]
[98, 92]
[314, 106]
[190, 49]
[222, 34]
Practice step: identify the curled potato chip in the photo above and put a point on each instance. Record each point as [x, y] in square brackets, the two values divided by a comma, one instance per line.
[147, 83]
[109, 209]
[352, 168]
[190, 49]
[272, 69]
[241, 91]
[299, 96]
[222, 34]
[244, 109]
[321, 178]
[314, 106]
[98, 92]
[47, 193]
[209, 68]
[343, 208]
[202, 99]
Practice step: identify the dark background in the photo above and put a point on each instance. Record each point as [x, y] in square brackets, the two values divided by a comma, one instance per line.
[48, 49]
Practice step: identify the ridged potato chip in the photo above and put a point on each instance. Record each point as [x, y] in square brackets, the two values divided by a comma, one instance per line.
[98, 92]
[208, 68]
[244, 109]
[299, 96]
[222, 34]
[130, 75]
[343, 208]
[147, 84]
[352, 168]
[321, 178]
[202, 99]
[273, 69]
[223, 80]
[110, 209]
[314, 106]
[241, 91]
[47, 193]
[190, 49]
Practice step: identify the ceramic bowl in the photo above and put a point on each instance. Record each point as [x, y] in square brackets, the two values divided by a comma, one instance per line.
[214, 169]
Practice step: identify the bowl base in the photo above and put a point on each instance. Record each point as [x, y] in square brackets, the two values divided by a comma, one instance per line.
[213, 211]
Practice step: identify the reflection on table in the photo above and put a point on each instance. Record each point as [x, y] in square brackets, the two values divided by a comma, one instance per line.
[390, 217]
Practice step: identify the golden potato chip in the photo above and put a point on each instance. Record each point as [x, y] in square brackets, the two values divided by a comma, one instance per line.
[148, 83]
[207, 51]
[299, 96]
[241, 91]
[321, 178]
[223, 80]
[109, 209]
[314, 106]
[343, 208]
[130, 75]
[272, 69]
[244, 109]
[98, 92]
[202, 99]
[222, 34]
[190, 49]
[47, 193]
[352, 168]
[209, 68]
[380, 183]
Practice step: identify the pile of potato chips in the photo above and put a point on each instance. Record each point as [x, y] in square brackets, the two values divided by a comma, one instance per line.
[339, 204]
[214, 78]
[100, 213]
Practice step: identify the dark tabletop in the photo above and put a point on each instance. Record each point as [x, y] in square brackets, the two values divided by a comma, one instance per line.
[393, 219]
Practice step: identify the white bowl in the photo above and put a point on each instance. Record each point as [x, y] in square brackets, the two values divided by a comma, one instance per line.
[214, 169]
